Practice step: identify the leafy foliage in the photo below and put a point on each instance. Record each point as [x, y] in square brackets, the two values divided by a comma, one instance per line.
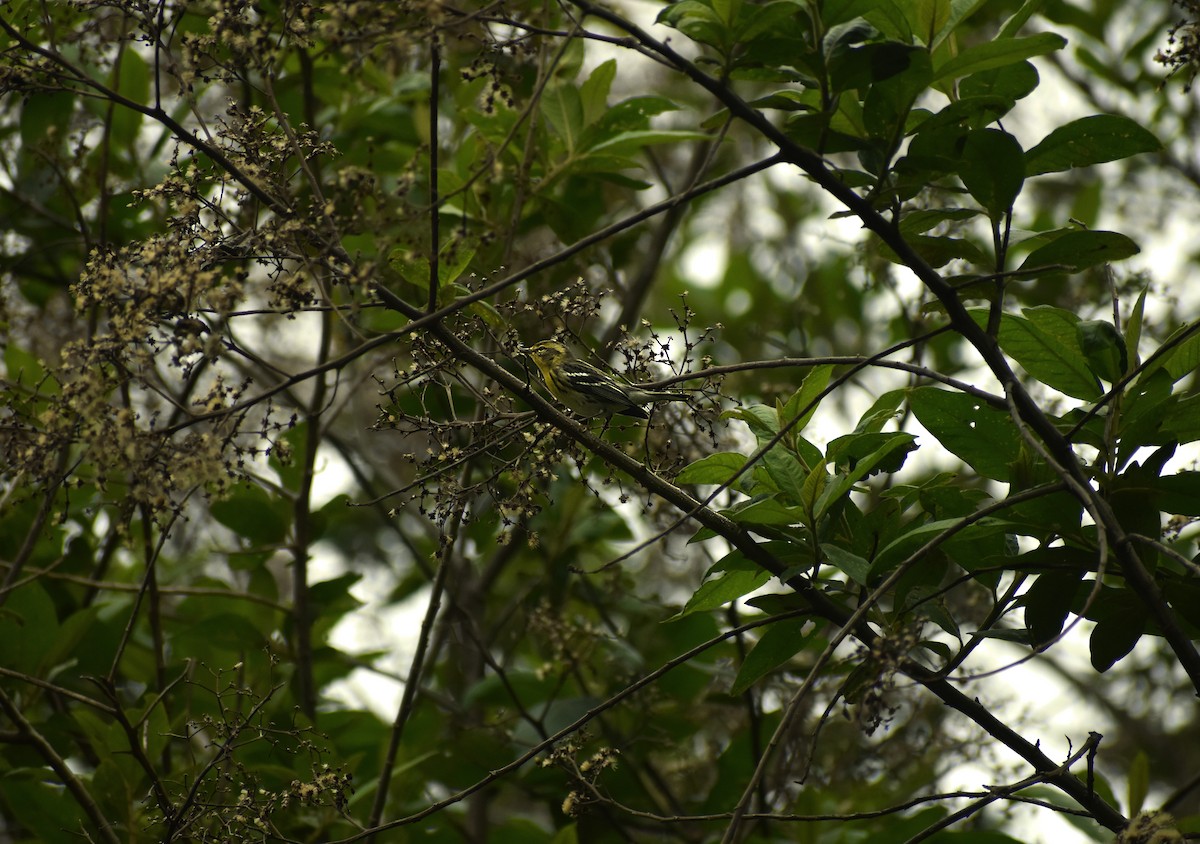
[267, 272]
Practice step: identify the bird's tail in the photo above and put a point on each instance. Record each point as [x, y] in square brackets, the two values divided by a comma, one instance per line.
[643, 395]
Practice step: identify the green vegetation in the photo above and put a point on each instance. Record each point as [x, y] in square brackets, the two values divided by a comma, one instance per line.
[266, 272]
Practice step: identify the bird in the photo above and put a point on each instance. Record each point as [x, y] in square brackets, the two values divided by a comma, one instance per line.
[589, 390]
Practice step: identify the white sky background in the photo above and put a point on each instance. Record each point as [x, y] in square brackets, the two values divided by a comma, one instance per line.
[1052, 713]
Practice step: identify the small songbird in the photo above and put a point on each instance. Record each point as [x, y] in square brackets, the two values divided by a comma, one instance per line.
[589, 390]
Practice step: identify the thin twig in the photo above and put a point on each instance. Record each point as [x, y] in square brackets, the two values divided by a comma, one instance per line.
[411, 685]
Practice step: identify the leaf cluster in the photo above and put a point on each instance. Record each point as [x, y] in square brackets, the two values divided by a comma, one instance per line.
[295, 545]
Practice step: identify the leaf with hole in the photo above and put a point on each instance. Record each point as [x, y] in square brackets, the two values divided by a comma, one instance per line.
[983, 437]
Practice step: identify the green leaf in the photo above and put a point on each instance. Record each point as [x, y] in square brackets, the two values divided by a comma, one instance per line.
[698, 21]
[714, 469]
[593, 93]
[992, 169]
[1139, 783]
[788, 99]
[1185, 357]
[727, 10]
[24, 367]
[635, 139]
[939, 251]
[927, 17]
[859, 67]
[814, 486]
[839, 12]
[1020, 17]
[808, 453]
[1185, 592]
[1104, 349]
[885, 409]
[805, 400]
[787, 473]
[1183, 420]
[74, 629]
[960, 10]
[1051, 347]
[1046, 345]
[563, 110]
[412, 268]
[766, 511]
[455, 258]
[918, 222]
[913, 538]
[817, 131]
[1088, 141]
[761, 19]
[45, 113]
[981, 436]
[964, 113]
[856, 567]
[1133, 325]
[860, 455]
[331, 599]
[718, 592]
[611, 167]
[28, 628]
[628, 115]
[1048, 602]
[218, 639]
[871, 453]
[291, 473]
[781, 641]
[1134, 495]
[939, 649]
[994, 54]
[1115, 636]
[1146, 406]
[35, 797]
[251, 513]
[514, 830]
[890, 20]
[1077, 250]
[889, 101]
[569, 834]
[763, 421]
[1011, 82]
[134, 84]
[840, 38]
[1179, 493]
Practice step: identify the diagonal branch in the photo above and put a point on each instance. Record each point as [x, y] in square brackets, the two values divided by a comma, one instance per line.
[422, 320]
[740, 538]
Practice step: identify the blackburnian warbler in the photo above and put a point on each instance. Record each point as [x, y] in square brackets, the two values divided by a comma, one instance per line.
[589, 390]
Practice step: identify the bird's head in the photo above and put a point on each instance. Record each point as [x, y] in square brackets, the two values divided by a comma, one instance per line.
[547, 352]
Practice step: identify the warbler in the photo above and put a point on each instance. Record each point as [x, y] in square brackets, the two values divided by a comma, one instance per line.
[588, 390]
